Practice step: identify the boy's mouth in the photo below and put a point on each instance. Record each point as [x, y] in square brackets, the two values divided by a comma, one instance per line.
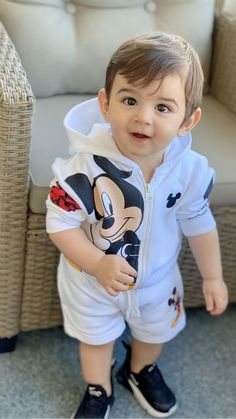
[139, 135]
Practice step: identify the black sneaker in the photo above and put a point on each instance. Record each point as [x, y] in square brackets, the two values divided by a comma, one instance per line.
[149, 388]
[95, 404]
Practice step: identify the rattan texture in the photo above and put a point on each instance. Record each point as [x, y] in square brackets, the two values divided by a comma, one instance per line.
[16, 107]
[40, 304]
[223, 84]
[226, 224]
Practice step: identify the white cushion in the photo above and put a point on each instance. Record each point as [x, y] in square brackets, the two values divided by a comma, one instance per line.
[229, 6]
[213, 137]
[65, 46]
[49, 140]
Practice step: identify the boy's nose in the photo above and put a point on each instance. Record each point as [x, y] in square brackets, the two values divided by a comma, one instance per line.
[143, 115]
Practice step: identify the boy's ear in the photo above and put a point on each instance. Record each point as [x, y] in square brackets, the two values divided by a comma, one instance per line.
[103, 103]
[190, 123]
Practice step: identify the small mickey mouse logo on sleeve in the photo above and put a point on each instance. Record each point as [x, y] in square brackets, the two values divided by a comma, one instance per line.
[171, 200]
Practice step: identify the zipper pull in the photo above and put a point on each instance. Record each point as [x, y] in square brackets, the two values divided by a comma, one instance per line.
[148, 195]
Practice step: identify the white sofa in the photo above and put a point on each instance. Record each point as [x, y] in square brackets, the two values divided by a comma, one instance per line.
[64, 47]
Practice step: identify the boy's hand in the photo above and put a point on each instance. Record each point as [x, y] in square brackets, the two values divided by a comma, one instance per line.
[115, 274]
[216, 295]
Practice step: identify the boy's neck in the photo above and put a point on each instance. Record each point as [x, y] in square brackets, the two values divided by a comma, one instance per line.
[148, 166]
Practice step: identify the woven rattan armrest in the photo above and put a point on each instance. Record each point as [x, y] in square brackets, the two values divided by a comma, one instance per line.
[16, 109]
[14, 86]
[223, 83]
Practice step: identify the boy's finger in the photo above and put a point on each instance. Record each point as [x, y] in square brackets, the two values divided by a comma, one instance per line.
[220, 306]
[209, 302]
[128, 269]
[111, 291]
[126, 279]
[217, 310]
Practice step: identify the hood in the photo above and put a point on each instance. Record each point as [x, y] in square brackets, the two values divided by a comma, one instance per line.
[87, 130]
[89, 133]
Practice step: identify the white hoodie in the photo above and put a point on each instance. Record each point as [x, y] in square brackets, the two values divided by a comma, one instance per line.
[105, 193]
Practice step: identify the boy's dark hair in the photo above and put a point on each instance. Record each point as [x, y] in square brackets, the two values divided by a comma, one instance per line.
[147, 57]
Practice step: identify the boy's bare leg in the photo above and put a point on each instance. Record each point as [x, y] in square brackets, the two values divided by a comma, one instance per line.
[96, 364]
[143, 354]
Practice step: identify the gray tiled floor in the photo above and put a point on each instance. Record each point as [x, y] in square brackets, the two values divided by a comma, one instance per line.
[42, 379]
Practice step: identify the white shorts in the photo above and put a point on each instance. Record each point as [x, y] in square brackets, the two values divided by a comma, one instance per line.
[154, 314]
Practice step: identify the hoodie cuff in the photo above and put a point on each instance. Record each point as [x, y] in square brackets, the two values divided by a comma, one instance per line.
[198, 225]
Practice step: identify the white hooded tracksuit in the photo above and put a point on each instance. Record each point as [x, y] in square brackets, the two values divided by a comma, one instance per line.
[105, 193]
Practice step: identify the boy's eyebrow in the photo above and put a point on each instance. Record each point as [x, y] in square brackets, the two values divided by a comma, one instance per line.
[169, 99]
[126, 90]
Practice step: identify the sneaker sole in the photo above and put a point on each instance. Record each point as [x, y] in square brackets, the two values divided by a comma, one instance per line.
[107, 412]
[146, 406]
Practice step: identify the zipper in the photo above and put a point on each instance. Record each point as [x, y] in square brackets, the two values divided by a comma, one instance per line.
[148, 197]
[148, 192]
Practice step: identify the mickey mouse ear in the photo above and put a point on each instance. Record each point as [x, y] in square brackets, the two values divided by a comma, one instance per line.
[110, 168]
[170, 301]
[80, 184]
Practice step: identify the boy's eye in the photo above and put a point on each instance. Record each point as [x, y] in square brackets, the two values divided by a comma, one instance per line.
[130, 101]
[162, 108]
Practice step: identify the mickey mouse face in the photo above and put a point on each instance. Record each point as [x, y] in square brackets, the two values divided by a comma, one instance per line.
[171, 200]
[110, 205]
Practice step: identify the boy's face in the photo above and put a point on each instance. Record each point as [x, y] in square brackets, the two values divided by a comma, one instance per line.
[145, 120]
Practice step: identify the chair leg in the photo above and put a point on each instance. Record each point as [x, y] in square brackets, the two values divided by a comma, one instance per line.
[8, 344]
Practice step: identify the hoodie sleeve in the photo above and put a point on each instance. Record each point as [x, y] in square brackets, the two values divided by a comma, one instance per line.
[69, 193]
[194, 214]
[63, 212]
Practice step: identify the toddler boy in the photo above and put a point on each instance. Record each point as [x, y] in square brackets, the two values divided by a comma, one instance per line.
[117, 209]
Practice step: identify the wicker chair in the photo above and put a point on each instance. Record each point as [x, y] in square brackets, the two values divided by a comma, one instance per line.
[28, 260]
